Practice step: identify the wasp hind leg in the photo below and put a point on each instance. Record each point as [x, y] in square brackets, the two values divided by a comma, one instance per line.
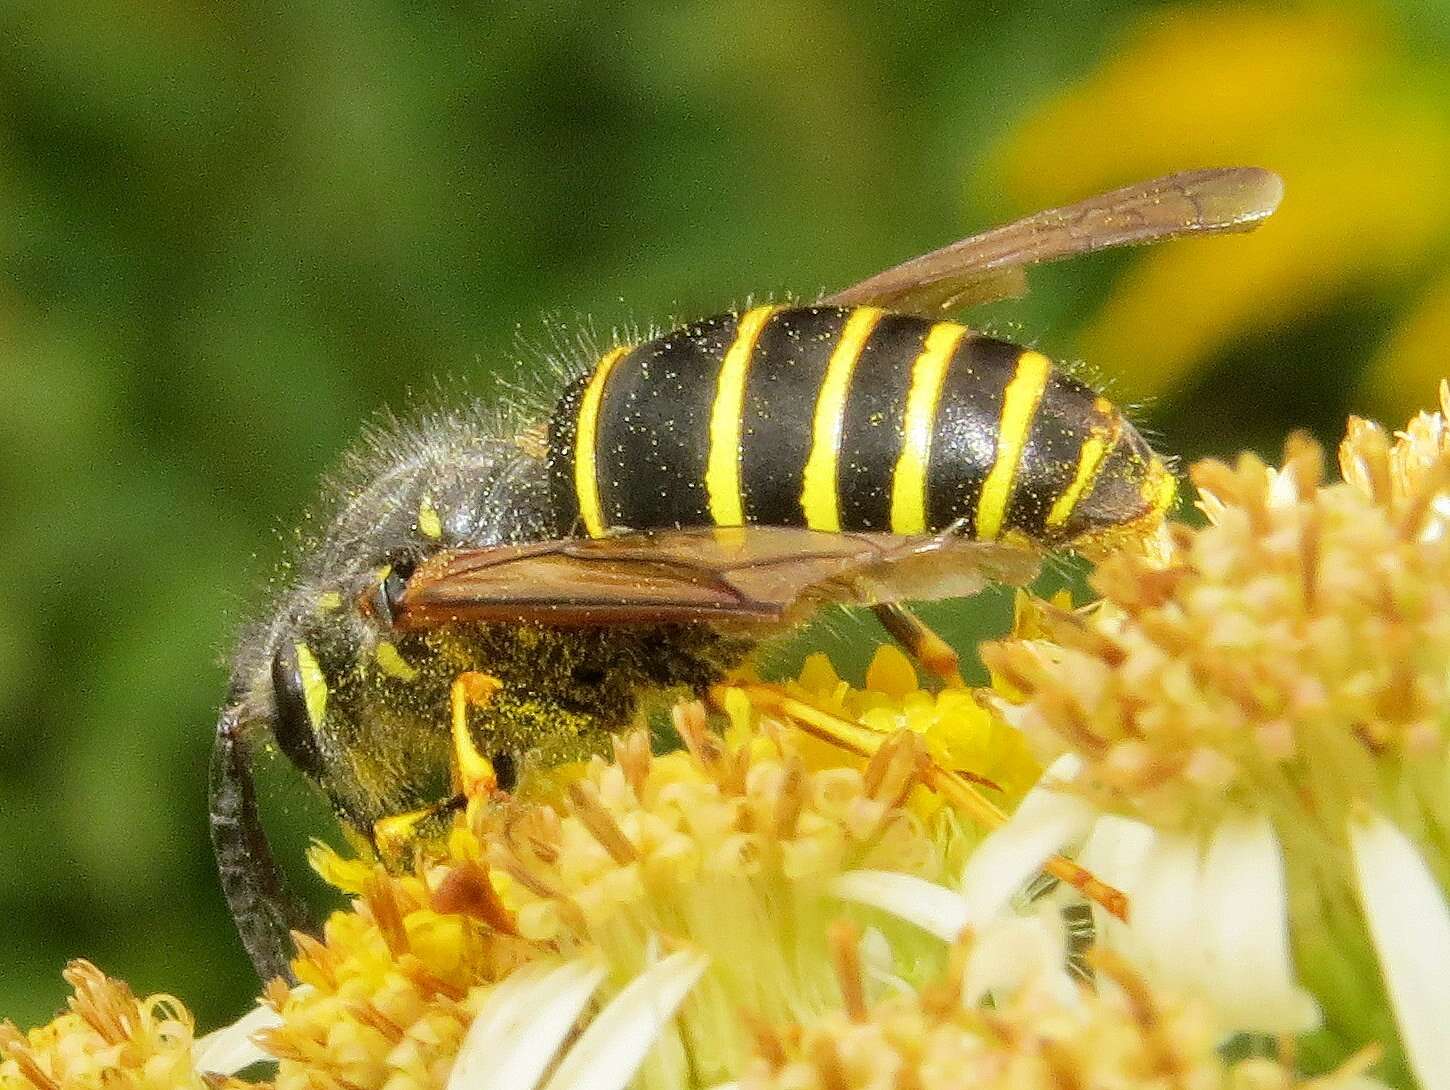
[923, 642]
[265, 911]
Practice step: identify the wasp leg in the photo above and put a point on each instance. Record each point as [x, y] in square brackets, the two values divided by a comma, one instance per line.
[954, 786]
[264, 910]
[394, 835]
[473, 773]
[924, 642]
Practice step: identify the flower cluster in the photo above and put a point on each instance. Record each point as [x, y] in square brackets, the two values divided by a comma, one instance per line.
[729, 853]
[1245, 743]
[386, 995]
[1034, 1038]
[107, 1040]
[1279, 659]
[1253, 743]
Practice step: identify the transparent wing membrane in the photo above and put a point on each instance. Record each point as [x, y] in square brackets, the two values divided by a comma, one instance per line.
[992, 265]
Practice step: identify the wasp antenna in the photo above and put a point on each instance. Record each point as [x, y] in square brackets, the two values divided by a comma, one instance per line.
[266, 912]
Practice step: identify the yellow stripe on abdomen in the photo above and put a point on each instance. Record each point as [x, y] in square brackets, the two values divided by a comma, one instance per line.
[1089, 461]
[928, 373]
[586, 440]
[1019, 405]
[722, 471]
[820, 497]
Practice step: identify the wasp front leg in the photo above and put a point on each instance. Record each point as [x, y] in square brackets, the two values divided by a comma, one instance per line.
[472, 773]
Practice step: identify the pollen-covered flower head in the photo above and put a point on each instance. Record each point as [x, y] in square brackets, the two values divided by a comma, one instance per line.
[1034, 1037]
[1254, 745]
[1408, 470]
[108, 1039]
[1306, 628]
[718, 866]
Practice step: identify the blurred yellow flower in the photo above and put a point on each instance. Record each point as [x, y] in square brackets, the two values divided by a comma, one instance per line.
[108, 1040]
[1333, 97]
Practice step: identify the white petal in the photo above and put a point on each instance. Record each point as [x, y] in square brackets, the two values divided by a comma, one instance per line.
[1018, 951]
[1244, 909]
[230, 1049]
[878, 964]
[523, 1022]
[1120, 851]
[1115, 851]
[1410, 925]
[1009, 857]
[617, 1041]
[1214, 921]
[931, 907]
[1166, 895]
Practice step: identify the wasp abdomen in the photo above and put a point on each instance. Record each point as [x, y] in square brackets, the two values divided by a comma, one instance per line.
[844, 418]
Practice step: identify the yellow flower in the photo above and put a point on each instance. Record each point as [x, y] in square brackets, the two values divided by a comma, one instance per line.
[1338, 100]
[704, 880]
[958, 731]
[386, 996]
[108, 1040]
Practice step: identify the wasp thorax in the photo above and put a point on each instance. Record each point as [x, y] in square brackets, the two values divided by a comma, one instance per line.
[452, 481]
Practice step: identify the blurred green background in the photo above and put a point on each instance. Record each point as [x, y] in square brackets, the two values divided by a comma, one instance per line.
[231, 235]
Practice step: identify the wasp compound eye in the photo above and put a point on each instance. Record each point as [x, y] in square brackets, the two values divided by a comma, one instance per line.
[388, 593]
[300, 693]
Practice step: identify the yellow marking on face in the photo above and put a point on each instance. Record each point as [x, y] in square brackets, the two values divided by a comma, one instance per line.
[928, 373]
[586, 439]
[429, 524]
[1089, 461]
[329, 602]
[391, 661]
[1019, 405]
[722, 471]
[314, 685]
[820, 499]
